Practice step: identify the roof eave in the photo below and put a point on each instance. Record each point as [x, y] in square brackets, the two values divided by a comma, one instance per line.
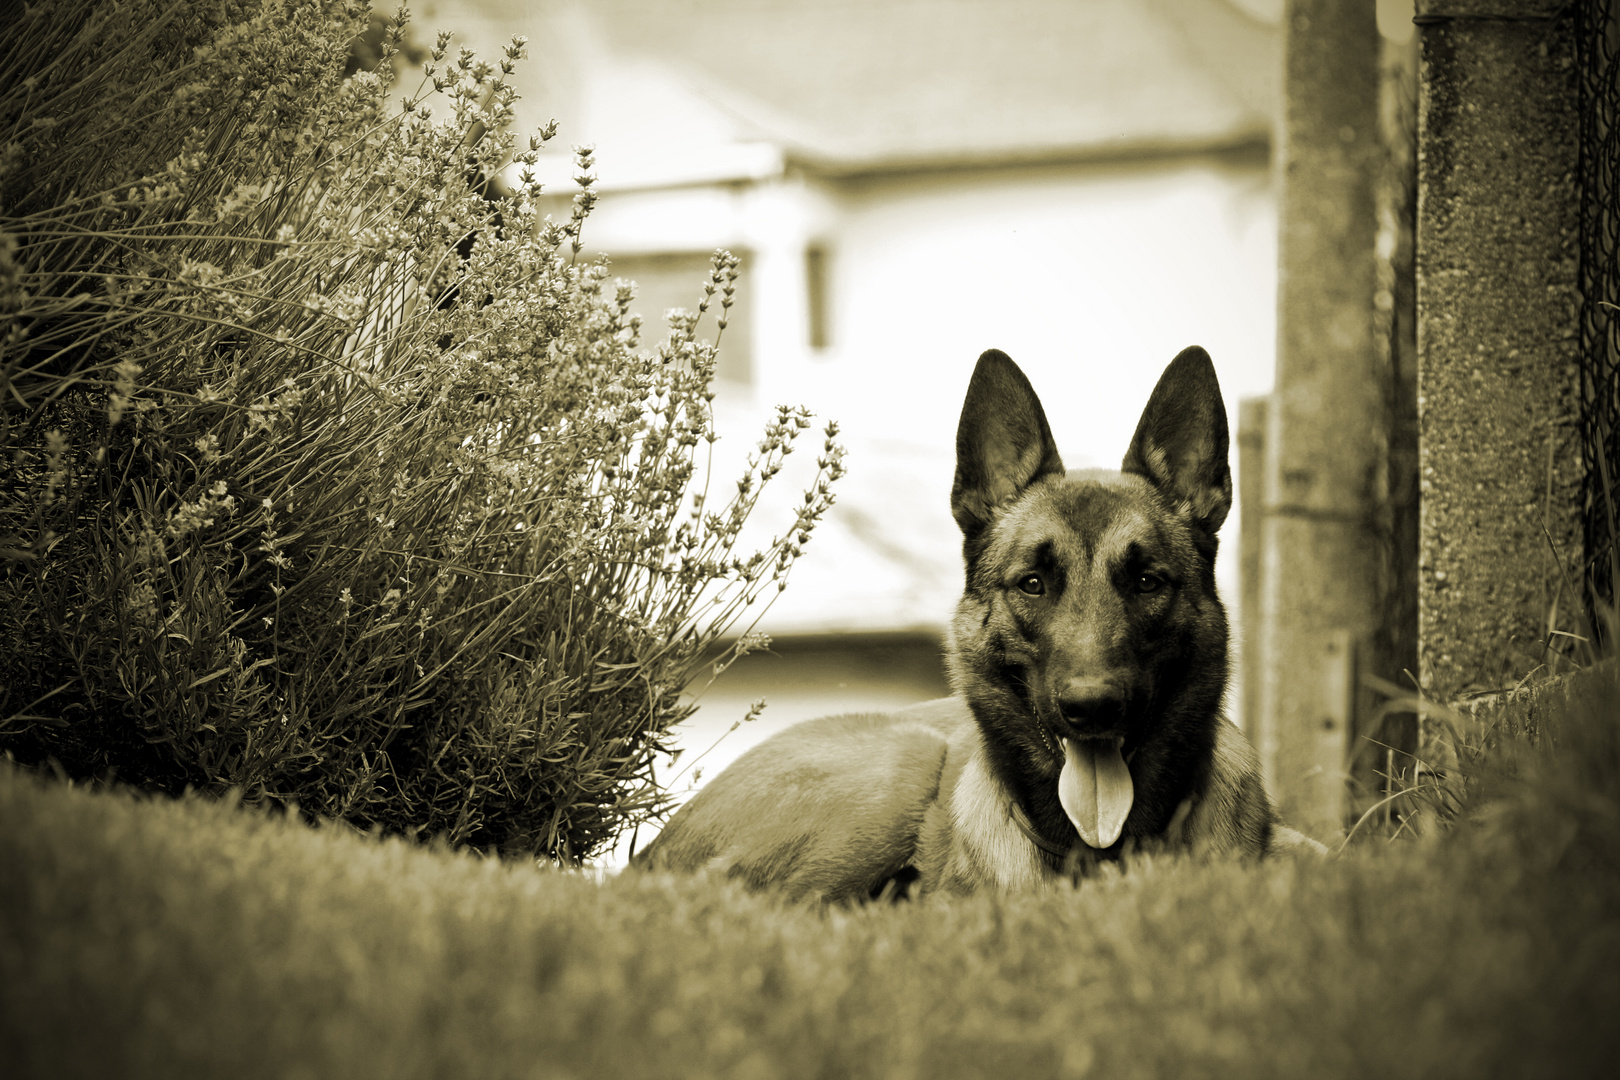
[1253, 143]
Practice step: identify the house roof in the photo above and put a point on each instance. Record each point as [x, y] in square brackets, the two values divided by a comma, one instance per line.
[847, 86]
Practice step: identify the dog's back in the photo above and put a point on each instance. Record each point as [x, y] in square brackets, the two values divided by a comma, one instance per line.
[829, 808]
[1088, 656]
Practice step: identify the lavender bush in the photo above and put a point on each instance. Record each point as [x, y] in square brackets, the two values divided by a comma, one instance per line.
[301, 500]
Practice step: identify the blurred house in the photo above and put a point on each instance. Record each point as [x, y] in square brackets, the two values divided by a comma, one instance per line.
[1081, 183]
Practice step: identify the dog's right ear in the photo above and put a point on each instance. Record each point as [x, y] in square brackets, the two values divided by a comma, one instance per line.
[1003, 444]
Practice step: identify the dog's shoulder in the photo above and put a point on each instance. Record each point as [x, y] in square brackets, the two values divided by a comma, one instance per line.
[1231, 814]
[826, 808]
[969, 839]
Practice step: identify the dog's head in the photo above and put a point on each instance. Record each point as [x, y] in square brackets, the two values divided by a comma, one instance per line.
[1090, 638]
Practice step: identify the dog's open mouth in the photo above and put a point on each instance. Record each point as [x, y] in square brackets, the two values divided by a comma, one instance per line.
[1095, 788]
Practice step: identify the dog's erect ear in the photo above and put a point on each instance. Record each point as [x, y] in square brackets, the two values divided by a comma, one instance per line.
[1003, 444]
[1181, 441]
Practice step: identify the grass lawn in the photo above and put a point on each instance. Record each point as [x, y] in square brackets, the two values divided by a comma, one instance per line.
[192, 938]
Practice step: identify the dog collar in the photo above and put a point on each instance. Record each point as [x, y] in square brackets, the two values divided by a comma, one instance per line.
[1016, 813]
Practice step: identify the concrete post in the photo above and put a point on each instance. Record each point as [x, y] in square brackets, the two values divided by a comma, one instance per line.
[1251, 439]
[1325, 466]
[1497, 338]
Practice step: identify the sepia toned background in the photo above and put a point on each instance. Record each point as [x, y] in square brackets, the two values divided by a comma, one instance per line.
[1398, 237]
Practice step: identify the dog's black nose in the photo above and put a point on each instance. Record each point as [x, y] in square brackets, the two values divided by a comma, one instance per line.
[1093, 706]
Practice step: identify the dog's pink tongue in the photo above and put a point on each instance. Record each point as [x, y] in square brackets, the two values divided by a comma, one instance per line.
[1095, 790]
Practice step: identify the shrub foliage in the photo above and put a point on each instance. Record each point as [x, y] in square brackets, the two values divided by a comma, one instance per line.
[326, 477]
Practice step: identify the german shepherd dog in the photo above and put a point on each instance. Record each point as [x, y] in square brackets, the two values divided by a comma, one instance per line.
[1088, 657]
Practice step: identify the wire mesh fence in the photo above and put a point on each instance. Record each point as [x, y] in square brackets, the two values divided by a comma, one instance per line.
[1598, 54]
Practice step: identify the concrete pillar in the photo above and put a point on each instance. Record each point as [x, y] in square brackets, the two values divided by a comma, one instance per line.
[1251, 440]
[1497, 338]
[1325, 463]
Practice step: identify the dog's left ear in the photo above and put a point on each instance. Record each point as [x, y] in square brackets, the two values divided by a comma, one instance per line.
[1180, 443]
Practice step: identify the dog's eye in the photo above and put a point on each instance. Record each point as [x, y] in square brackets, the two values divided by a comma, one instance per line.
[1149, 583]
[1032, 584]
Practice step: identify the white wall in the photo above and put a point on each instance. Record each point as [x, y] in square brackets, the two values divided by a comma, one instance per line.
[1091, 277]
